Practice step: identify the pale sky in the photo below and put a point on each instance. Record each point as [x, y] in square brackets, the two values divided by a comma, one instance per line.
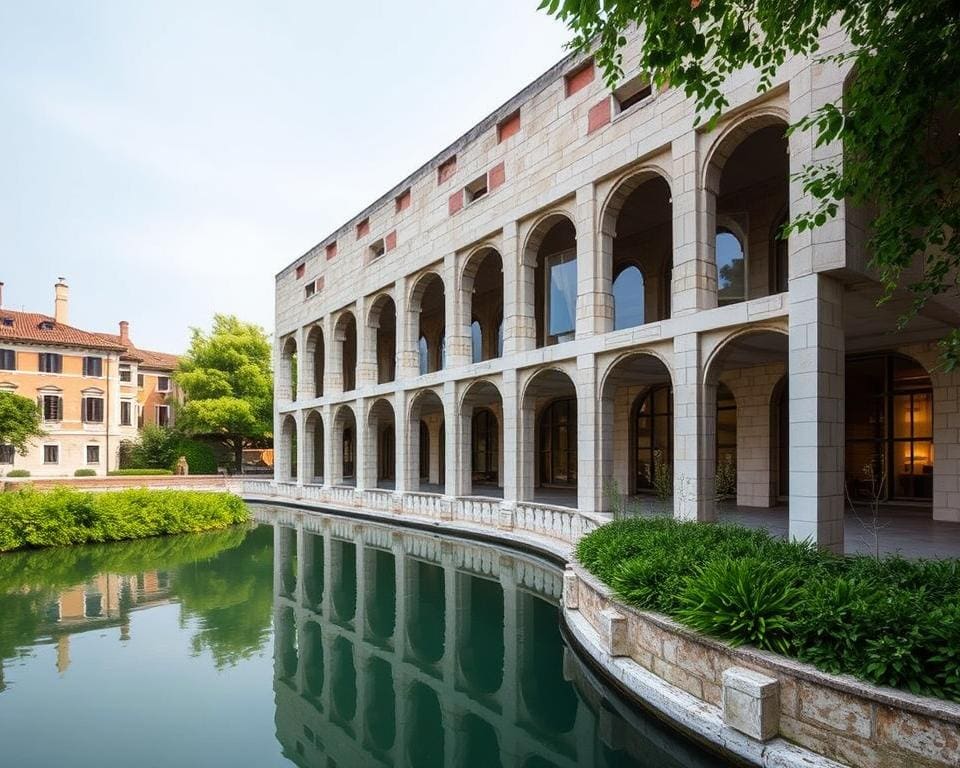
[168, 158]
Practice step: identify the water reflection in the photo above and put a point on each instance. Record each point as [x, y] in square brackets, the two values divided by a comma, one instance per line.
[399, 648]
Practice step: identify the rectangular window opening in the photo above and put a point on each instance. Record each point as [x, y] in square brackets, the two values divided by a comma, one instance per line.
[93, 454]
[363, 228]
[377, 249]
[6, 454]
[93, 367]
[125, 374]
[51, 454]
[52, 406]
[310, 289]
[163, 415]
[8, 360]
[163, 383]
[446, 169]
[50, 362]
[93, 410]
[632, 92]
[475, 189]
[126, 413]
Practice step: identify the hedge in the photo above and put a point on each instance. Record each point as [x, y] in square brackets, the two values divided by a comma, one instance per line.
[889, 621]
[31, 518]
[141, 471]
[85, 472]
[18, 473]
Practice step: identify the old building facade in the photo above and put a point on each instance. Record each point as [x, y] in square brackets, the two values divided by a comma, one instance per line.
[588, 292]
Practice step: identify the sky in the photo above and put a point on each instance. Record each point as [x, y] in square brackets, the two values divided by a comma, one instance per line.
[169, 158]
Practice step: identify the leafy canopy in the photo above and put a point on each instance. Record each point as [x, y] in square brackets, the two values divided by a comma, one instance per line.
[20, 421]
[227, 381]
[898, 119]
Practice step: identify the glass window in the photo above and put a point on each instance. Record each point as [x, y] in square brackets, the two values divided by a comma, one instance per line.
[126, 413]
[8, 360]
[51, 454]
[52, 407]
[93, 366]
[93, 454]
[558, 443]
[163, 383]
[6, 454]
[561, 292]
[653, 437]
[140, 380]
[485, 449]
[50, 362]
[163, 415]
[731, 273]
[125, 372]
[628, 309]
[93, 409]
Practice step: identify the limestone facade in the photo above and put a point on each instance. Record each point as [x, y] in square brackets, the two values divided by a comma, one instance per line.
[548, 308]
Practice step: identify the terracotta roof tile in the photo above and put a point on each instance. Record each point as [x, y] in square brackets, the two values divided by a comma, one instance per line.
[35, 328]
[147, 358]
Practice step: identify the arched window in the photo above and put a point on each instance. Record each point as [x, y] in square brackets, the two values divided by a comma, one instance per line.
[476, 339]
[653, 437]
[731, 268]
[424, 350]
[485, 449]
[348, 451]
[628, 299]
[558, 443]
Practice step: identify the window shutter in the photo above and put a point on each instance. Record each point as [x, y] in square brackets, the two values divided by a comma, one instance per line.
[83, 409]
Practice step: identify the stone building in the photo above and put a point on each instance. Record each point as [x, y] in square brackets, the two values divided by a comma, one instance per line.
[588, 291]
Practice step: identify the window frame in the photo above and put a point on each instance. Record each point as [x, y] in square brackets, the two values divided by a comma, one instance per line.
[45, 358]
[58, 408]
[88, 361]
[5, 355]
[129, 408]
[92, 400]
[55, 447]
[87, 448]
[168, 388]
[558, 258]
[157, 410]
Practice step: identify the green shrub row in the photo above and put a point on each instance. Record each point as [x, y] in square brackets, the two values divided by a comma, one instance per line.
[31, 518]
[889, 621]
[85, 472]
[18, 473]
[133, 471]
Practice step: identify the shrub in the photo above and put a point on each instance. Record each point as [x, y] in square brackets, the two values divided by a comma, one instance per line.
[138, 471]
[889, 621]
[85, 472]
[31, 518]
[199, 456]
[18, 473]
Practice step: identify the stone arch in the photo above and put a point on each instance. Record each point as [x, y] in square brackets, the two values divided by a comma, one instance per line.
[481, 451]
[629, 439]
[381, 444]
[313, 448]
[548, 437]
[428, 320]
[426, 462]
[287, 467]
[345, 338]
[731, 135]
[482, 278]
[382, 336]
[314, 360]
[287, 373]
[623, 187]
[344, 447]
[549, 280]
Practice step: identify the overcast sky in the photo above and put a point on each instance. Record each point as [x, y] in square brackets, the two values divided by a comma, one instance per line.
[168, 158]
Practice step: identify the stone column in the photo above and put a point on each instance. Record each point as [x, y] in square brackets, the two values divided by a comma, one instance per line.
[453, 459]
[329, 446]
[520, 322]
[303, 386]
[457, 328]
[589, 481]
[817, 448]
[594, 294]
[400, 429]
[694, 228]
[946, 438]
[366, 347]
[694, 434]
[526, 446]
[464, 457]
[361, 459]
[408, 359]
[400, 575]
[333, 362]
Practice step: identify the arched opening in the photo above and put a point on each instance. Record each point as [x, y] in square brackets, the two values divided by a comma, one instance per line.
[549, 700]
[426, 611]
[483, 290]
[382, 438]
[481, 413]
[480, 646]
[383, 323]
[740, 386]
[426, 726]
[428, 308]
[315, 359]
[638, 246]
[549, 428]
[313, 448]
[380, 601]
[313, 660]
[343, 471]
[426, 443]
[313, 577]
[636, 415]
[889, 429]
[288, 454]
[287, 375]
[381, 708]
[750, 176]
[344, 561]
[286, 640]
[552, 252]
[343, 682]
[346, 336]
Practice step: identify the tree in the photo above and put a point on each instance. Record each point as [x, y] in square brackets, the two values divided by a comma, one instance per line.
[20, 421]
[228, 385]
[898, 120]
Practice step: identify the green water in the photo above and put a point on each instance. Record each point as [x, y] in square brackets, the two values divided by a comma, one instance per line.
[338, 644]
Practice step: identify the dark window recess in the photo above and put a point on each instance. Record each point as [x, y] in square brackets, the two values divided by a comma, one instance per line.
[446, 169]
[163, 383]
[125, 372]
[93, 366]
[8, 360]
[633, 92]
[301, 268]
[93, 410]
[377, 249]
[6, 454]
[140, 380]
[93, 454]
[475, 189]
[309, 289]
[52, 406]
[50, 362]
[8, 322]
[126, 413]
[163, 415]
[51, 454]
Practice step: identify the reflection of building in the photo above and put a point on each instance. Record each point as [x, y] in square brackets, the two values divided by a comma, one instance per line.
[587, 287]
[423, 651]
[104, 601]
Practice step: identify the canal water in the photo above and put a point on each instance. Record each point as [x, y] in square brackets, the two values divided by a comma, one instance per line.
[313, 642]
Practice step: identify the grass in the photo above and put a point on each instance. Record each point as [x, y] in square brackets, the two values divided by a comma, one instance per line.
[888, 621]
[32, 518]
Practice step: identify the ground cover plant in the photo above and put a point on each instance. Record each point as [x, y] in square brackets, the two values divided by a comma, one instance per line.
[888, 621]
[32, 518]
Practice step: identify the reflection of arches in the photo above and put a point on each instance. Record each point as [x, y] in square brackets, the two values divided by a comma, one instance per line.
[549, 700]
[343, 681]
[382, 323]
[482, 304]
[428, 313]
[480, 648]
[380, 712]
[286, 642]
[287, 545]
[380, 601]
[551, 251]
[344, 554]
[313, 569]
[479, 747]
[313, 660]
[425, 719]
[426, 625]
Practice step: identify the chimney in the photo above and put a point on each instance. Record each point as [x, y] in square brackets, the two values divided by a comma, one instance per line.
[1, 295]
[125, 333]
[60, 302]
